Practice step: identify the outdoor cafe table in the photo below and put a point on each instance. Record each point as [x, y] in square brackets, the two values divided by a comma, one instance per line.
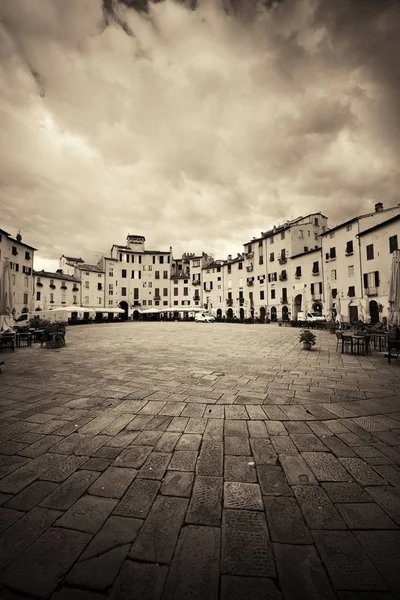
[356, 338]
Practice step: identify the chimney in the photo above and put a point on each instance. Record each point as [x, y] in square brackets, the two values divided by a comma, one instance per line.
[378, 207]
[18, 237]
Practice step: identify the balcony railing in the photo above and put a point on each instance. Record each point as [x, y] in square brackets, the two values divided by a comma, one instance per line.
[284, 300]
[282, 260]
[241, 301]
[249, 254]
[39, 284]
[53, 287]
[371, 291]
[75, 289]
[282, 277]
[196, 298]
[315, 272]
[196, 282]
[297, 276]
[157, 297]
[316, 297]
[249, 268]
[250, 282]
[64, 287]
[229, 302]
[349, 252]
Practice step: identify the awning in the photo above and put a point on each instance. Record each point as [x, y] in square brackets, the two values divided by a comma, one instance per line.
[73, 309]
[109, 310]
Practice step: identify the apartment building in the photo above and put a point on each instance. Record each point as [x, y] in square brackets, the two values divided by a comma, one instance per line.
[344, 263]
[67, 264]
[377, 245]
[92, 284]
[212, 287]
[305, 285]
[182, 289]
[55, 290]
[20, 256]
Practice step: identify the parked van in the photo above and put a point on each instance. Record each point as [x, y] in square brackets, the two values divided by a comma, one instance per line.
[53, 316]
[204, 317]
[310, 316]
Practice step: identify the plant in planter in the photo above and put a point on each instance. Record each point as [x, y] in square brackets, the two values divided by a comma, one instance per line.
[308, 338]
[54, 335]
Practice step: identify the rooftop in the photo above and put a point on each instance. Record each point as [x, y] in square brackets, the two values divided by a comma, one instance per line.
[379, 225]
[51, 275]
[86, 267]
[354, 219]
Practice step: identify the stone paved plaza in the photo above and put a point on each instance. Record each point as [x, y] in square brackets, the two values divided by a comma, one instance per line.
[173, 461]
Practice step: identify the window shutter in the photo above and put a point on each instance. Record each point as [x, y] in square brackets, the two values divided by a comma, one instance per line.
[376, 278]
[320, 287]
[365, 280]
[312, 289]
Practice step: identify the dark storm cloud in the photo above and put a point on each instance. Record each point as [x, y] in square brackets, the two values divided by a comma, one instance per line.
[198, 124]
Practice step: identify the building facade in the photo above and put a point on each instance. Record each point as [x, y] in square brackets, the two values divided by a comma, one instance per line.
[20, 257]
[55, 290]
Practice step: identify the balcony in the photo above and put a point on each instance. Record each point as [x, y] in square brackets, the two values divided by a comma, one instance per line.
[196, 282]
[208, 289]
[53, 287]
[283, 300]
[196, 298]
[241, 301]
[249, 268]
[229, 302]
[249, 254]
[157, 297]
[349, 252]
[315, 272]
[250, 282]
[297, 276]
[316, 297]
[75, 289]
[64, 287]
[282, 260]
[371, 291]
[39, 284]
[282, 277]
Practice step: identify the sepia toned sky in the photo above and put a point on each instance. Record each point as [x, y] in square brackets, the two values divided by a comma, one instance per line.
[197, 124]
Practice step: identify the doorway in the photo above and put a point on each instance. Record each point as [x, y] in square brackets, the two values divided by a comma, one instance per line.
[374, 311]
[241, 314]
[229, 314]
[273, 313]
[219, 313]
[297, 305]
[124, 306]
[262, 314]
[285, 313]
[353, 313]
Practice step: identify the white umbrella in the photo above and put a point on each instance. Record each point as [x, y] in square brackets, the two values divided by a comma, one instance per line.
[367, 316]
[361, 311]
[329, 306]
[394, 290]
[338, 305]
[6, 298]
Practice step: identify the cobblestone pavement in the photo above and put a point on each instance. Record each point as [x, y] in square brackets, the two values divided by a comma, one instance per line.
[173, 461]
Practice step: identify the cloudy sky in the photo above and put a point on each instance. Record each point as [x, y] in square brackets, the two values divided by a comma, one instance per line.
[197, 126]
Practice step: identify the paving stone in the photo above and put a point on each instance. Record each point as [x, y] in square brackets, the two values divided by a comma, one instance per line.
[251, 588]
[275, 428]
[361, 472]
[389, 499]
[87, 514]
[138, 499]
[194, 571]
[317, 509]
[183, 461]
[10, 447]
[117, 425]
[152, 407]
[246, 547]
[16, 481]
[242, 496]
[257, 429]
[155, 466]
[275, 413]
[133, 457]
[214, 412]
[235, 428]
[235, 412]
[96, 464]
[27, 438]
[348, 565]
[116, 531]
[123, 439]
[263, 452]
[147, 581]
[196, 425]
[64, 469]
[177, 483]
[338, 447]
[31, 495]
[273, 481]
[301, 573]
[8, 517]
[210, 461]
[97, 425]
[214, 430]
[351, 439]
[256, 412]
[157, 538]
[365, 516]
[206, 501]
[237, 446]
[99, 572]
[240, 468]
[70, 490]
[72, 593]
[178, 424]
[113, 483]
[283, 445]
[167, 441]
[383, 548]
[297, 427]
[43, 565]
[308, 442]
[4, 498]
[139, 423]
[193, 410]
[391, 473]
[147, 438]
[285, 521]
[70, 443]
[107, 452]
[92, 446]
[296, 470]
[189, 441]
[325, 466]
[346, 492]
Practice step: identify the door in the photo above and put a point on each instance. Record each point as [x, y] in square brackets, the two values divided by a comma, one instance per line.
[273, 313]
[353, 314]
[124, 306]
[241, 313]
[229, 313]
[374, 311]
[262, 314]
[285, 313]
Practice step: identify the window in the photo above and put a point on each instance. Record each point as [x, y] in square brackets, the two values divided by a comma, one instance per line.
[156, 292]
[282, 235]
[272, 240]
[240, 266]
[175, 291]
[123, 291]
[260, 243]
[157, 274]
[150, 302]
[38, 280]
[38, 294]
[140, 259]
[301, 235]
[165, 274]
[161, 260]
[165, 291]
[87, 285]
[349, 227]
[110, 303]
[316, 222]
[51, 281]
[261, 260]
[229, 269]
[98, 299]
[99, 287]
[315, 268]
[393, 244]
[150, 267]
[176, 302]
[272, 294]
[349, 247]
[165, 302]
[110, 273]
[370, 252]
[262, 295]
[185, 281]
[350, 270]
[371, 279]
[352, 291]
[271, 257]
[186, 291]
[144, 302]
[150, 284]
[52, 297]
[334, 293]
[27, 256]
[312, 289]
[332, 235]
[196, 263]
[140, 274]
[284, 295]
[305, 248]
[26, 282]
[75, 300]
[298, 272]
[14, 251]
[124, 273]
[333, 274]
[332, 253]
[86, 299]
[110, 289]
[154, 260]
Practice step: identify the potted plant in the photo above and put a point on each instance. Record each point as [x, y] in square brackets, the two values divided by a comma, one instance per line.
[54, 335]
[308, 339]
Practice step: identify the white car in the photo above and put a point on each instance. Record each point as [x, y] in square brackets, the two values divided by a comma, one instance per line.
[204, 317]
[310, 316]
